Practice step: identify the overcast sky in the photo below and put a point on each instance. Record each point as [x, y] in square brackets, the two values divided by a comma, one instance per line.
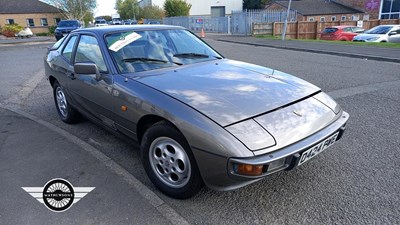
[104, 8]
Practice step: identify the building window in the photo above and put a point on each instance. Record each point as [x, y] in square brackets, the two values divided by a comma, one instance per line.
[217, 11]
[30, 22]
[57, 20]
[343, 18]
[311, 19]
[322, 19]
[43, 22]
[333, 18]
[354, 17]
[390, 9]
[10, 21]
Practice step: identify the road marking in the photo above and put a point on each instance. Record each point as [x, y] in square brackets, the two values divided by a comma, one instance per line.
[163, 208]
[347, 92]
[18, 97]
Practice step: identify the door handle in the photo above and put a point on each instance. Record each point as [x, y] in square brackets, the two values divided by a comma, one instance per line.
[71, 76]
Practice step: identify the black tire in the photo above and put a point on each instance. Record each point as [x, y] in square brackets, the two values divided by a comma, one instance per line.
[66, 112]
[177, 175]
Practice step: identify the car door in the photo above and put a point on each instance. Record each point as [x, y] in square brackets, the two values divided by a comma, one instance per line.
[347, 34]
[395, 37]
[61, 63]
[93, 95]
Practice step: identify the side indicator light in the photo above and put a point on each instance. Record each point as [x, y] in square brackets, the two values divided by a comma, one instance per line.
[249, 170]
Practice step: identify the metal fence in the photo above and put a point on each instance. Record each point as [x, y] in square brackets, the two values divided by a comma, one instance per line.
[196, 23]
[239, 22]
[242, 21]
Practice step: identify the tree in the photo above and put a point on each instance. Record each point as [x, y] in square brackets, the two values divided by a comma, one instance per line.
[127, 9]
[88, 17]
[255, 4]
[106, 17]
[151, 12]
[176, 8]
[74, 9]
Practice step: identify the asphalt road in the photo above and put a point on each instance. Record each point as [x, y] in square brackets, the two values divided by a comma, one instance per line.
[18, 64]
[355, 181]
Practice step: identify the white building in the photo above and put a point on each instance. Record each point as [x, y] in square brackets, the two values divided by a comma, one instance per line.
[214, 8]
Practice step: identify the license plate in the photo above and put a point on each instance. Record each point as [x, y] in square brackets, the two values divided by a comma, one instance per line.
[318, 148]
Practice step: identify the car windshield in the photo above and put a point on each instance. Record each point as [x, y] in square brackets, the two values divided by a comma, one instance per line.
[58, 43]
[379, 30]
[100, 21]
[330, 30]
[156, 49]
[66, 23]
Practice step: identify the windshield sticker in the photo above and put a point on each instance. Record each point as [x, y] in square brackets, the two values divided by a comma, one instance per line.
[124, 40]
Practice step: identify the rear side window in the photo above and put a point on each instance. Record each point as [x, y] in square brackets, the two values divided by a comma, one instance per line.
[88, 50]
[347, 29]
[357, 30]
[330, 30]
[69, 47]
[396, 30]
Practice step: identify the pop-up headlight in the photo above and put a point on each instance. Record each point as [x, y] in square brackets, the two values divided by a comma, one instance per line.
[252, 135]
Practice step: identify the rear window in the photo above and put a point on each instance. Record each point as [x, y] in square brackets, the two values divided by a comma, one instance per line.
[330, 30]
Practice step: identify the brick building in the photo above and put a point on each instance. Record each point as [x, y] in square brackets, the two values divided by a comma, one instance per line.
[374, 9]
[371, 7]
[320, 10]
[36, 15]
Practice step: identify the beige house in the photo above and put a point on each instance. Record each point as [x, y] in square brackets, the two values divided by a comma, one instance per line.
[36, 15]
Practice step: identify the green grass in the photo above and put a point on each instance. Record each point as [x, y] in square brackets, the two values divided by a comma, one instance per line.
[374, 44]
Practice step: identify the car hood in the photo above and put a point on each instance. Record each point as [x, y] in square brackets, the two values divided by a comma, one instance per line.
[229, 91]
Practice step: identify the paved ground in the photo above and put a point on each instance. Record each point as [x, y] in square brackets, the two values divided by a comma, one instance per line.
[354, 182]
[354, 51]
[31, 153]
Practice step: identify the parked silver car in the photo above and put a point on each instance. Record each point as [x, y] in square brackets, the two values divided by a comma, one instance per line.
[382, 33]
[199, 117]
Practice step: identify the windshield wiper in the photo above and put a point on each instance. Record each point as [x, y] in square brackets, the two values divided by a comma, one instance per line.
[142, 59]
[194, 55]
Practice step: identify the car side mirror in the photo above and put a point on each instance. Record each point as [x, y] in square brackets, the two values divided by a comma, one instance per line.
[87, 68]
[392, 33]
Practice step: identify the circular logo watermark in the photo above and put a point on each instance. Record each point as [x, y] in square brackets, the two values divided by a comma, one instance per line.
[58, 195]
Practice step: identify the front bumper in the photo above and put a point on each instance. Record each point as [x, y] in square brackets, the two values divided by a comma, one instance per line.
[287, 158]
[219, 174]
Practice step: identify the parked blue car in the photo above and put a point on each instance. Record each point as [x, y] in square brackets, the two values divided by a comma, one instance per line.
[64, 27]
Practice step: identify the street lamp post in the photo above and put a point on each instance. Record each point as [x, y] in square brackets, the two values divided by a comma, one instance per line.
[286, 21]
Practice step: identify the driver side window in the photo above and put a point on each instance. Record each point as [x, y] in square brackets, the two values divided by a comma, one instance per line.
[67, 51]
[88, 50]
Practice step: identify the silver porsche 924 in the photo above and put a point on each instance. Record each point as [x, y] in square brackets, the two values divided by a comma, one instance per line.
[199, 118]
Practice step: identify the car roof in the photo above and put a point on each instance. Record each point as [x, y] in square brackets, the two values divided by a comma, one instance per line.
[115, 28]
